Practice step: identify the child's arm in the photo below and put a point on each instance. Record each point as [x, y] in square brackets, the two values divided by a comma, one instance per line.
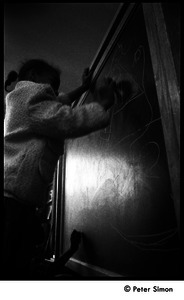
[54, 120]
[69, 98]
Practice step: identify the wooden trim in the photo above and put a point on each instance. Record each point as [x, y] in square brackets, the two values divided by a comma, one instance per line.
[52, 235]
[108, 36]
[119, 20]
[87, 269]
[58, 210]
[167, 91]
[125, 15]
[62, 207]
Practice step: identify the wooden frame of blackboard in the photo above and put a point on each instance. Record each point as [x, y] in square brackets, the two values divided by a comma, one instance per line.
[122, 15]
[166, 85]
[168, 92]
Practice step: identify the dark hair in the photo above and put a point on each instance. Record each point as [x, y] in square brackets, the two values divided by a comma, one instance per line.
[12, 76]
[36, 70]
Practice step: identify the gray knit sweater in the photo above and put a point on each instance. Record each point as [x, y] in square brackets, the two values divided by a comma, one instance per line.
[36, 125]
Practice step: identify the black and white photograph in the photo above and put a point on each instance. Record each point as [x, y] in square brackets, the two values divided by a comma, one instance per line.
[92, 145]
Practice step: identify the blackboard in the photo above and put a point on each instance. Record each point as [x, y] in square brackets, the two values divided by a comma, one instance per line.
[117, 183]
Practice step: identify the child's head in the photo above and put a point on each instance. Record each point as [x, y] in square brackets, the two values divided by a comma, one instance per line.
[38, 71]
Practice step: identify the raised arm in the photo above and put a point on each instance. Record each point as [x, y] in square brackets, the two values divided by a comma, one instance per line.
[70, 97]
[50, 118]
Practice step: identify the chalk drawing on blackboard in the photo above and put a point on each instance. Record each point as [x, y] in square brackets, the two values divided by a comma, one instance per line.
[135, 132]
[159, 242]
[128, 89]
[153, 147]
[133, 92]
[140, 53]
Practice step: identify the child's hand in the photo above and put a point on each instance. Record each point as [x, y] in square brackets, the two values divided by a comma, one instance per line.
[104, 93]
[75, 240]
[86, 78]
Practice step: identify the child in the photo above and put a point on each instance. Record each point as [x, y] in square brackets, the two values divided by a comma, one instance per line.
[37, 121]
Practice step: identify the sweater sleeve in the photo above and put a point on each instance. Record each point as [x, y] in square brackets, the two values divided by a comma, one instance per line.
[51, 118]
[63, 99]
